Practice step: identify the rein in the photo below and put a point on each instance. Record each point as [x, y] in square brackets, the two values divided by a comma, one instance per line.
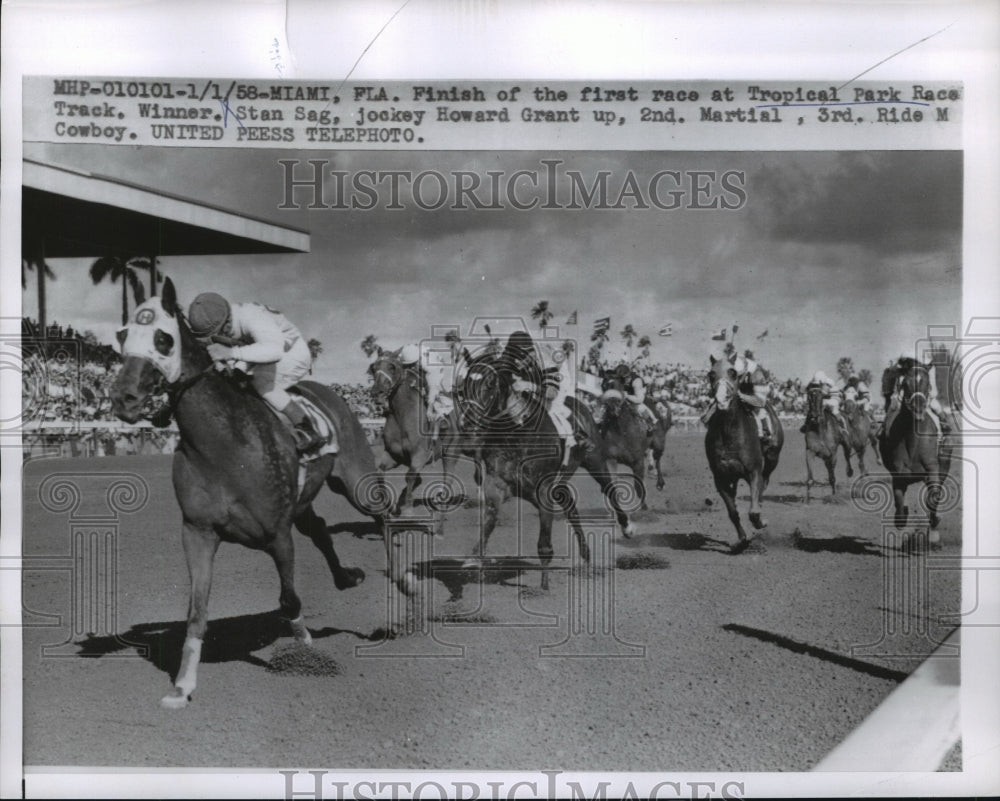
[161, 418]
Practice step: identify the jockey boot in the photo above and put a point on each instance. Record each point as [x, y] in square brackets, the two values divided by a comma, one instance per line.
[306, 437]
[763, 423]
[842, 425]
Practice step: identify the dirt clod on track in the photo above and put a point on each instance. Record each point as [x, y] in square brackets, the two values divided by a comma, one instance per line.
[296, 659]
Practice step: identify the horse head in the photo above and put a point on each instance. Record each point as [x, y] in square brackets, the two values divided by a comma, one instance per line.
[720, 372]
[157, 345]
[916, 387]
[386, 372]
[814, 404]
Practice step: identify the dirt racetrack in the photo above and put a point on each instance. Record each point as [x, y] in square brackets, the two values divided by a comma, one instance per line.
[684, 658]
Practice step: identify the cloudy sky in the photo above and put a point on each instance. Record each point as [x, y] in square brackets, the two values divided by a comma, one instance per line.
[833, 254]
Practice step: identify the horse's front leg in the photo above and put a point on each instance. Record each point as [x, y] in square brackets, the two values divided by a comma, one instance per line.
[200, 545]
[934, 492]
[899, 495]
[756, 491]
[846, 445]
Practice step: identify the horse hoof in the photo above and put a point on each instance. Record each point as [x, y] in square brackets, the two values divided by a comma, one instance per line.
[758, 522]
[300, 631]
[175, 699]
[349, 577]
[408, 584]
[739, 547]
[629, 531]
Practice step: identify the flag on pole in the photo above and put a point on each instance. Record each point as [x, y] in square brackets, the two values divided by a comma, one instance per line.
[571, 320]
[735, 329]
[667, 330]
[720, 337]
[602, 324]
[759, 338]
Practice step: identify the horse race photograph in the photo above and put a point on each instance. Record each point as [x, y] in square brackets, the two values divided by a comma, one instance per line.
[591, 460]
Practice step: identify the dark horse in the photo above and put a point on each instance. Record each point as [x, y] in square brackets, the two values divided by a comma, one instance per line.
[823, 437]
[625, 435]
[733, 447]
[235, 471]
[406, 436]
[911, 450]
[520, 454]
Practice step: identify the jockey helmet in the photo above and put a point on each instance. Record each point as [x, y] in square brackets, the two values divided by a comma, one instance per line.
[623, 371]
[409, 354]
[208, 313]
[820, 378]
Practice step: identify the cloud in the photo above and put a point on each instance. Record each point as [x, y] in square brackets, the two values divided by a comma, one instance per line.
[888, 201]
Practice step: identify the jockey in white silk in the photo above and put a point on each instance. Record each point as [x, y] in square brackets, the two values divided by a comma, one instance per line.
[831, 398]
[857, 390]
[438, 367]
[262, 337]
[635, 391]
[749, 371]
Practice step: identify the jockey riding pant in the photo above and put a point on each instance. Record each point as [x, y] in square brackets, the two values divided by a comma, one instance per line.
[271, 380]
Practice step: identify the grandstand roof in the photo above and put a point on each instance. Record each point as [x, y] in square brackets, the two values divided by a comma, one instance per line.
[81, 214]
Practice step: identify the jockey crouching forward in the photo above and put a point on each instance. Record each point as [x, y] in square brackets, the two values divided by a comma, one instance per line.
[264, 338]
[934, 409]
[635, 392]
[547, 378]
[752, 385]
[857, 391]
[439, 380]
[831, 400]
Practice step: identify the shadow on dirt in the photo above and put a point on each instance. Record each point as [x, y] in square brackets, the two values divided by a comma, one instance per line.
[838, 544]
[228, 639]
[455, 574]
[682, 541]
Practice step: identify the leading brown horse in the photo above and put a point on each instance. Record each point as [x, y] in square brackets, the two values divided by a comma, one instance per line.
[236, 472]
[911, 448]
[733, 447]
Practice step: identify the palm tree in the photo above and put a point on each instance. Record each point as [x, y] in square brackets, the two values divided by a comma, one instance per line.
[629, 334]
[315, 349]
[116, 268]
[541, 312]
[37, 262]
[645, 343]
[845, 367]
[369, 346]
[568, 346]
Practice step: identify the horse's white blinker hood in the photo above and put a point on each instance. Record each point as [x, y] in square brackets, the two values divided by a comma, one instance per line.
[155, 336]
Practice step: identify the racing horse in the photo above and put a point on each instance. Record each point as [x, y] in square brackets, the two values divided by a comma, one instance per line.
[733, 448]
[520, 453]
[823, 438]
[859, 430]
[236, 473]
[405, 436]
[625, 436]
[911, 450]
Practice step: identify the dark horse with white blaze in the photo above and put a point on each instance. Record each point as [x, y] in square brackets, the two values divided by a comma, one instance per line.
[625, 436]
[823, 438]
[236, 471]
[733, 447]
[911, 449]
[522, 455]
[406, 436]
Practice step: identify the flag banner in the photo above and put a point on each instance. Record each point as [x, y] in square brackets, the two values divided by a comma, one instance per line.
[602, 324]
[571, 320]
[720, 337]
[667, 330]
[735, 328]
[761, 336]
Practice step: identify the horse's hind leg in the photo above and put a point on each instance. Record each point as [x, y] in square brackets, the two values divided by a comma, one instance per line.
[545, 544]
[200, 546]
[831, 465]
[657, 453]
[756, 490]
[314, 527]
[282, 551]
[847, 457]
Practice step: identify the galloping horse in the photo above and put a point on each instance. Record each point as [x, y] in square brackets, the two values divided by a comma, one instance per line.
[522, 456]
[405, 436]
[823, 438]
[859, 429]
[911, 450]
[733, 447]
[625, 435]
[236, 472]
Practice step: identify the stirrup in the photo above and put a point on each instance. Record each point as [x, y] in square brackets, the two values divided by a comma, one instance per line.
[306, 439]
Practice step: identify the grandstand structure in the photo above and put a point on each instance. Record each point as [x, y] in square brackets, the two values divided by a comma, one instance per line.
[72, 213]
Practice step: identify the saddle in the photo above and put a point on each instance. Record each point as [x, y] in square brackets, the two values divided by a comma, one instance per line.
[321, 422]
